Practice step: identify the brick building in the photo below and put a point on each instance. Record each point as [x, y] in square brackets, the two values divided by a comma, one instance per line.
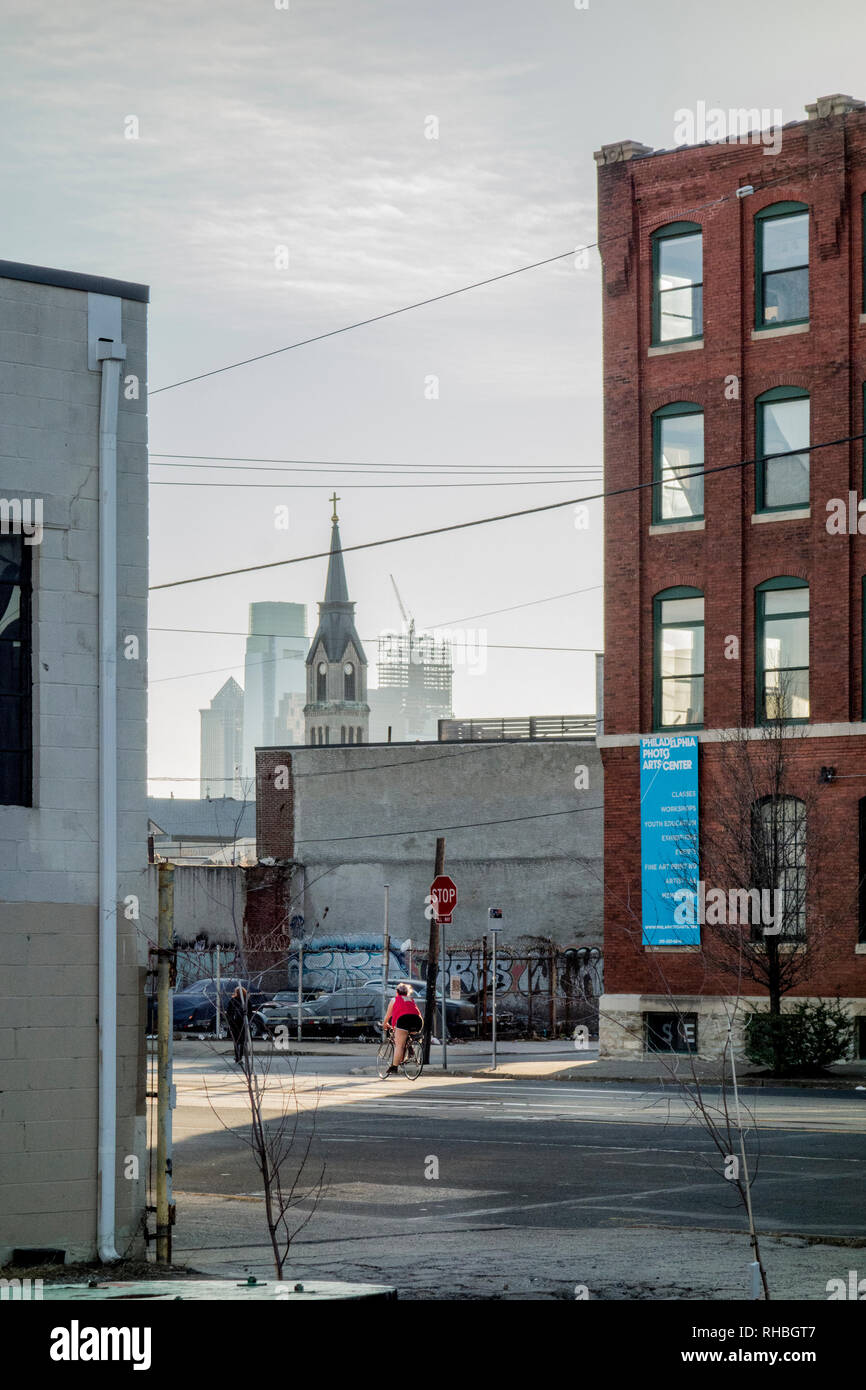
[734, 292]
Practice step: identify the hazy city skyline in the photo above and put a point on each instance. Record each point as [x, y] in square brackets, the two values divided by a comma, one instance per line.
[277, 174]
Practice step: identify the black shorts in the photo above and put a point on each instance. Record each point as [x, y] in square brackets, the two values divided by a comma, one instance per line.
[411, 1023]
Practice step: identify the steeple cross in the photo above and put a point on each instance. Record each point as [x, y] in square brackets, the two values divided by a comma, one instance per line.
[335, 499]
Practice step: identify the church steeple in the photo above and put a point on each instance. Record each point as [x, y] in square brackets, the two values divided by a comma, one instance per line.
[336, 710]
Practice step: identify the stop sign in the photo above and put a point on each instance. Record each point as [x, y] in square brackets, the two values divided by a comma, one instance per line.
[443, 894]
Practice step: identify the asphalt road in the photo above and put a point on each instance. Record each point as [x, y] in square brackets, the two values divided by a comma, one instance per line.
[524, 1188]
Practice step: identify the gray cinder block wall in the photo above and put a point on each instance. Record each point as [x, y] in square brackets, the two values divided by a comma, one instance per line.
[522, 823]
[49, 426]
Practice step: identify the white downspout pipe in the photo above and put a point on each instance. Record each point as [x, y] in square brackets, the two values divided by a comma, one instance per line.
[110, 354]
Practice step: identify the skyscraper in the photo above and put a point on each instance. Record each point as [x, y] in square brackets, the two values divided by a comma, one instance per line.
[274, 678]
[221, 742]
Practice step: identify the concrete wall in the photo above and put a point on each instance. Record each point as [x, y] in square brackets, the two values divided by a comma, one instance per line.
[49, 852]
[210, 902]
[519, 835]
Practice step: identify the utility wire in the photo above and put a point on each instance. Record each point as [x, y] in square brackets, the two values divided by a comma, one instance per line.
[449, 294]
[352, 486]
[362, 323]
[700, 471]
[438, 829]
[273, 660]
[430, 627]
[269, 465]
[467, 745]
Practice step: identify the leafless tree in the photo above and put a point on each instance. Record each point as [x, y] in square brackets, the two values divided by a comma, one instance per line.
[761, 852]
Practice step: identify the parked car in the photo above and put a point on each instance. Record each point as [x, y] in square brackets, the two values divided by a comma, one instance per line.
[283, 1008]
[195, 1006]
[363, 1005]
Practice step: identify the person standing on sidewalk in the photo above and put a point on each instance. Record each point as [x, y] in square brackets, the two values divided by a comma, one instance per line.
[237, 1010]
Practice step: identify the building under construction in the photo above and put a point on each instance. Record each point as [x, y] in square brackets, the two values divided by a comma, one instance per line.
[414, 693]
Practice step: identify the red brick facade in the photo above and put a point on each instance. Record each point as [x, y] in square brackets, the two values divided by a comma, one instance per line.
[821, 163]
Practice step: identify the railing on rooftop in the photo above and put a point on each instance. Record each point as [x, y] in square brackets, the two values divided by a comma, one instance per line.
[532, 727]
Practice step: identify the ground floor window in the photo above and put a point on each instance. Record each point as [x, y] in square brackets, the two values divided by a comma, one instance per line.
[671, 1032]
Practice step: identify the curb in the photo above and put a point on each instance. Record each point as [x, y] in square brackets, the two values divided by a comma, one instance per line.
[746, 1083]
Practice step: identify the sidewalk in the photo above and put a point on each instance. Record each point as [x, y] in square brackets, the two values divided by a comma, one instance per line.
[539, 1061]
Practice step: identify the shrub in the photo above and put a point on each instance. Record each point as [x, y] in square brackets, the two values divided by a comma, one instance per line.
[806, 1039]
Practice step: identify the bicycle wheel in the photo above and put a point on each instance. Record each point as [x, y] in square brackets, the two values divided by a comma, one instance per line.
[384, 1057]
[412, 1061]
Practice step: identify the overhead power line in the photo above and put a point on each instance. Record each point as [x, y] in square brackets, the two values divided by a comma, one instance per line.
[269, 465]
[366, 487]
[439, 829]
[362, 323]
[681, 474]
[449, 294]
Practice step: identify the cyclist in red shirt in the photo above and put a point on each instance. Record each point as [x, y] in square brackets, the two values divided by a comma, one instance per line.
[404, 1017]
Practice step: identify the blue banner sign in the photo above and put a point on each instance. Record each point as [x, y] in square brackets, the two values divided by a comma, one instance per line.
[669, 839]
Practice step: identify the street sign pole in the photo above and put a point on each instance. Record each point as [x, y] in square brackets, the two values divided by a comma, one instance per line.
[386, 952]
[494, 915]
[444, 1018]
[494, 934]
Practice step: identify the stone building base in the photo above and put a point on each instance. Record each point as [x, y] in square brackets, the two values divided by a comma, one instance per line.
[623, 1020]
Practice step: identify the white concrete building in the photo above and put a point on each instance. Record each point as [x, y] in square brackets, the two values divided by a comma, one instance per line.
[76, 900]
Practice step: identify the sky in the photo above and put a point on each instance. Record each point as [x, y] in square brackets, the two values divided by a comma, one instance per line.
[295, 170]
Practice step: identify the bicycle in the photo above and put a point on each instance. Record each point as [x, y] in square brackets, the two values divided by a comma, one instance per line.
[413, 1058]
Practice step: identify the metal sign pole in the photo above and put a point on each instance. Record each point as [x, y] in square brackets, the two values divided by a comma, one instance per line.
[494, 914]
[444, 1020]
[494, 934]
[386, 950]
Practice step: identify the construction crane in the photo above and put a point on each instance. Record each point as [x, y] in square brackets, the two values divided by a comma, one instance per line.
[410, 622]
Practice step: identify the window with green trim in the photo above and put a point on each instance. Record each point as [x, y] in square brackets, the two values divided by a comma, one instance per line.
[781, 426]
[678, 662]
[678, 283]
[782, 265]
[779, 862]
[782, 649]
[678, 458]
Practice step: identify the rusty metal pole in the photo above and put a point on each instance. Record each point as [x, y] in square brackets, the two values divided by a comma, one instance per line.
[165, 1032]
[529, 989]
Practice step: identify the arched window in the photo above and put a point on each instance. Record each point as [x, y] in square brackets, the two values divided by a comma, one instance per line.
[779, 862]
[678, 276]
[782, 424]
[321, 683]
[782, 265]
[342, 733]
[782, 649]
[351, 734]
[678, 674]
[348, 681]
[359, 739]
[678, 454]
